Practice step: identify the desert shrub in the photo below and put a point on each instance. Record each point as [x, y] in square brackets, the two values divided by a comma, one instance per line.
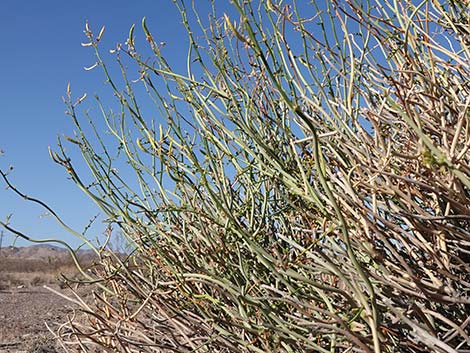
[308, 191]
[5, 281]
[37, 281]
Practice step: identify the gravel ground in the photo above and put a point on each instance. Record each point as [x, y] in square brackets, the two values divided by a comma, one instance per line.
[24, 313]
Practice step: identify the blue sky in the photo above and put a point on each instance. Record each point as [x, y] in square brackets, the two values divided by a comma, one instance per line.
[41, 53]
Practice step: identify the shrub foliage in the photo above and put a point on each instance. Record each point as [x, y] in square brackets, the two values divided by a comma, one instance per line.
[309, 190]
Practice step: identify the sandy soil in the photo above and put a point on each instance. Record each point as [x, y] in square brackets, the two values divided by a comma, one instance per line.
[27, 308]
[24, 313]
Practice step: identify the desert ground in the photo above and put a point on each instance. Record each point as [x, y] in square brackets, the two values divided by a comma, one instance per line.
[30, 308]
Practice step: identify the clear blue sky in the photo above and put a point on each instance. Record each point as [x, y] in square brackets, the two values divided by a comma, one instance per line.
[41, 52]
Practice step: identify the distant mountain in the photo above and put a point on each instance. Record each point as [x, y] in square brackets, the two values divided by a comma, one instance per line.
[40, 252]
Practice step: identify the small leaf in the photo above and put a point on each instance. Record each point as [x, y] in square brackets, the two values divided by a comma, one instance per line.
[100, 34]
[232, 28]
[144, 26]
[82, 98]
[131, 36]
[68, 138]
[140, 145]
[54, 155]
[92, 66]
